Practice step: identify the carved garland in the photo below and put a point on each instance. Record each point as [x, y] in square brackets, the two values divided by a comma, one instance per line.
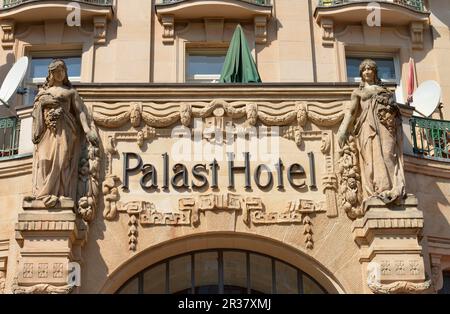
[41, 289]
[395, 287]
[89, 182]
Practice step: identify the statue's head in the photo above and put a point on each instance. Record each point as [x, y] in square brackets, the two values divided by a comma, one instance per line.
[368, 71]
[57, 72]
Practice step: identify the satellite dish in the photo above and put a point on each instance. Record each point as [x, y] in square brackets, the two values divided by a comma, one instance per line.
[426, 98]
[13, 80]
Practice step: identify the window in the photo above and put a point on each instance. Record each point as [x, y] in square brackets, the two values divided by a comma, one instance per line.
[222, 271]
[446, 287]
[38, 71]
[388, 67]
[204, 66]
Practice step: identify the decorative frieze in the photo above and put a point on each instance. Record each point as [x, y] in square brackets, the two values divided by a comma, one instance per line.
[388, 241]
[48, 241]
[189, 209]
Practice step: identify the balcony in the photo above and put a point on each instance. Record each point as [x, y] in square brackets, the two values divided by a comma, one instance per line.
[394, 13]
[9, 137]
[38, 10]
[13, 3]
[13, 12]
[216, 11]
[416, 5]
[431, 138]
[196, 9]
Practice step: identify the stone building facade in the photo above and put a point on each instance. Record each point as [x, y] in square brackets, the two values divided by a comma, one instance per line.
[154, 213]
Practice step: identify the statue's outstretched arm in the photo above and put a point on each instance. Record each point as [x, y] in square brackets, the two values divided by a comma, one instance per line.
[80, 107]
[349, 116]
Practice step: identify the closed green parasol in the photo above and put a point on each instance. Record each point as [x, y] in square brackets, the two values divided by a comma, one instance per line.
[239, 66]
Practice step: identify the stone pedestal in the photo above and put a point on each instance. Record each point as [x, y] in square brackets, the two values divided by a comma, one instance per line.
[50, 239]
[388, 237]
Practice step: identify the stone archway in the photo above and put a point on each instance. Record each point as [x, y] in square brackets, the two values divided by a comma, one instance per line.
[223, 241]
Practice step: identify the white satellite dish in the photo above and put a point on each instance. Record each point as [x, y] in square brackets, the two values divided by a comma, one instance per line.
[13, 80]
[426, 98]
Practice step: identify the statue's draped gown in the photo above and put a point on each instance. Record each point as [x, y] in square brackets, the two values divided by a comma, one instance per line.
[56, 152]
[380, 153]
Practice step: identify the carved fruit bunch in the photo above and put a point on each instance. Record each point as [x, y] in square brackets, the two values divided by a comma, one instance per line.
[51, 117]
[88, 182]
[350, 179]
[387, 111]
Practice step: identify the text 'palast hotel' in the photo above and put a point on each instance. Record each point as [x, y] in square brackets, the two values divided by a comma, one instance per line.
[239, 146]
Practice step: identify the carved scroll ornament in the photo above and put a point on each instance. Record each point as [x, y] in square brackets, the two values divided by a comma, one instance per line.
[252, 208]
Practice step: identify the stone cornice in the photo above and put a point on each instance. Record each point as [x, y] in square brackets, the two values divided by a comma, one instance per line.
[16, 167]
[206, 92]
[427, 167]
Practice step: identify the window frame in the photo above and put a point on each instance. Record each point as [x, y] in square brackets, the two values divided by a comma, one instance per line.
[203, 78]
[31, 82]
[374, 55]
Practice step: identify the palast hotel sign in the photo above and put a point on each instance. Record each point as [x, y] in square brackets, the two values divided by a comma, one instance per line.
[171, 162]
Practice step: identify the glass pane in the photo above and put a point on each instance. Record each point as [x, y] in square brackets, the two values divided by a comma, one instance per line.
[286, 278]
[130, 288]
[180, 274]
[446, 286]
[260, 274]
[234, 272]
[155, 279]
[206, 273]
[39, 66]
[386, 68]
[310, 287]
[205, 64]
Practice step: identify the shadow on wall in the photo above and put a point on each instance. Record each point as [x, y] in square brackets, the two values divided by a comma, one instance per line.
[4, 69]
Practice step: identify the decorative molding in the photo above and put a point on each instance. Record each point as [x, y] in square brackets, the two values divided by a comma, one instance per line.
[41, 289]
[110, 196]
[416, 29]
[350, 197]
[2, 281]
[168, 23]
[260, 29]
[100, 29]
[189, 209]
[89, 182]
[4, 249]
[374, 284]
[328, 37]
[8, 38]
[322, 114]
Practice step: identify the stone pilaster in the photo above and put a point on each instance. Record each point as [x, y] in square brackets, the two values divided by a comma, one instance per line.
[388, 238]
[49, 239]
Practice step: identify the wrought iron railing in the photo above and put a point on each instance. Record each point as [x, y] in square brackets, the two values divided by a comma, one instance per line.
[412, 4]
[431, 138]
[9, 136]
[5, 4]
[260, 2]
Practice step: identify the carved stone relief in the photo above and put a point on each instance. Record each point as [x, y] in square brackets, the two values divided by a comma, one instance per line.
[252, 211]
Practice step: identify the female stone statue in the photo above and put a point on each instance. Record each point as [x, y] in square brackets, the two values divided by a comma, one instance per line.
[373, 119]
[58, 119]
